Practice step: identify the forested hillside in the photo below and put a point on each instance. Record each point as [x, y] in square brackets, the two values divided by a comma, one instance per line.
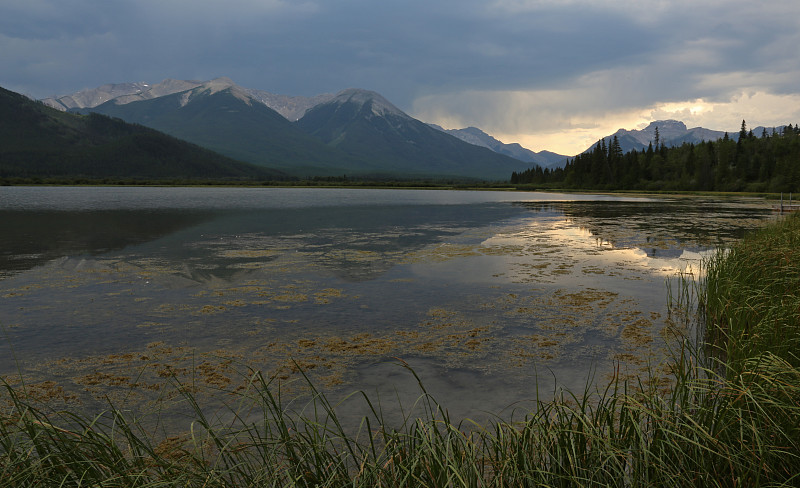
[769, 161]
[38, 142]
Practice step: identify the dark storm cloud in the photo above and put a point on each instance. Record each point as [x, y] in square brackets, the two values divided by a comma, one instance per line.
[401, 48]
[474, 60]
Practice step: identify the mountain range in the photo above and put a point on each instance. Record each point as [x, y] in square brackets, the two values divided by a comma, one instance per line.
[220, 116]
[292, 108]
[670, 133]
[37, 141]
[355, 132]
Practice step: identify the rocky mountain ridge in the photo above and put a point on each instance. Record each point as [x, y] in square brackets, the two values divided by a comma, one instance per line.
[121, 93]
[670, 133]
[291, 107]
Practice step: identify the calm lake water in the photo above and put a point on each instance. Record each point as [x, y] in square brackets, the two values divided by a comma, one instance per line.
[107, 292]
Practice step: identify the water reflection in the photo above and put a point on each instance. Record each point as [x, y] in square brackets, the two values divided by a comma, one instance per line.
[669, 225]
[31, 238]
[473, 293]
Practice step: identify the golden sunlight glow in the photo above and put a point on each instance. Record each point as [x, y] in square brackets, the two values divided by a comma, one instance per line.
[693, 107]
[534, 119]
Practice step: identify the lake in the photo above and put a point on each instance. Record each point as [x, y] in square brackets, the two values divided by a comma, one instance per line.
[491, 297]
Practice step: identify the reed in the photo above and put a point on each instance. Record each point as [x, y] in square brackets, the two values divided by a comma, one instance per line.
[730, 418]
[752, 301]
[708, 431]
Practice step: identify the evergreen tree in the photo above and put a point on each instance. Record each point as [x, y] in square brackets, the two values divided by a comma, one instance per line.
[768, 163]
[615, 150]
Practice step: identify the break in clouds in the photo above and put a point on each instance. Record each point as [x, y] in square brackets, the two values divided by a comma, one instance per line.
[549, 74]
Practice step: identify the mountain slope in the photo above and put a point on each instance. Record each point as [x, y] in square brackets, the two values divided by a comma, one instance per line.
[475, 136]
[225, 118]
[120, 93]
[365, 125]
[293, 108]
[38, 141]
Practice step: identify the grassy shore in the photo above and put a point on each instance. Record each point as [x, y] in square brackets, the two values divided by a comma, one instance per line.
[752, 300]
[730, 418]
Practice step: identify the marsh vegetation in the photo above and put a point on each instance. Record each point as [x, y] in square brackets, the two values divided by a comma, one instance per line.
[721, 411]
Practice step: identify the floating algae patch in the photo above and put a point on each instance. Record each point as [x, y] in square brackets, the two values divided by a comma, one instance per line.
[209, 309]
[290, 297]
[585, 326]
[248, 253]
[584, 300]
[638, 333]
[361, 344]
[540, 347]
[327, 295]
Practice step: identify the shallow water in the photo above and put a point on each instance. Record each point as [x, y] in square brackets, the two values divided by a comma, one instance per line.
[106, 292]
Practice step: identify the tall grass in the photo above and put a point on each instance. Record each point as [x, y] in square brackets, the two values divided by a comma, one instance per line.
[728, 420]
[752, 302]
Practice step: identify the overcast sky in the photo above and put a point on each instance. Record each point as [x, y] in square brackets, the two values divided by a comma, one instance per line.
[549, 74]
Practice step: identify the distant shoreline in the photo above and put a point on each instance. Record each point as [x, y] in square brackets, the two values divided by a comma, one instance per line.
[366, 184]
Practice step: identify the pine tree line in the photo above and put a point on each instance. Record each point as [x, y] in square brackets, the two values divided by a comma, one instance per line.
[768, 162]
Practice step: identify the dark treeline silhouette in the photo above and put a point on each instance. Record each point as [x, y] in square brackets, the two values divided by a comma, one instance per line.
[768, 162]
